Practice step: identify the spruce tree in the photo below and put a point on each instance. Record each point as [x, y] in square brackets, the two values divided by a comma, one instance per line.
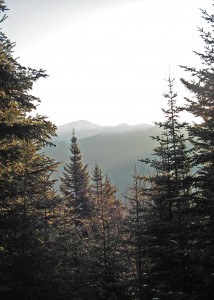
[137, 239]
[201, 105]
[73, 232]
[171, 196]
[27, 198]
[75, 185]
[104, 238]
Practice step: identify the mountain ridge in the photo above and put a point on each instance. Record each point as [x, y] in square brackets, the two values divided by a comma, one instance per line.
[116, 149]
[85, 129]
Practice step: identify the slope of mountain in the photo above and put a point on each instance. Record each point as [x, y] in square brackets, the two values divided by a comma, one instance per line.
[85, 129]
[116, 149]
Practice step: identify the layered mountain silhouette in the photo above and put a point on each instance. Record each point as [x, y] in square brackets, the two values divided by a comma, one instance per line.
[116, 149]
[85, 129]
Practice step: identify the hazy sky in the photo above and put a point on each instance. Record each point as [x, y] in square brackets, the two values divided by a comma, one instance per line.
[107, 60]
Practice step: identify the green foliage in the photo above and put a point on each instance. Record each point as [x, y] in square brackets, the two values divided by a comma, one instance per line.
[104, 236]
[137, 239]
[75, 183]
[168, 227]
[73, 231]
[85, 244]
[27, 199]
[202, 134]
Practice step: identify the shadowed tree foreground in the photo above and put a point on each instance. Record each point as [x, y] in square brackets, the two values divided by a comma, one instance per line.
[85, 242]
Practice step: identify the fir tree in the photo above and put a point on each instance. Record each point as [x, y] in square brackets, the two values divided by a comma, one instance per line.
[27, 198]
[136, 240]
[171, 196]
[202, 135]
[104, 238]
[73, 231]
[75, 185]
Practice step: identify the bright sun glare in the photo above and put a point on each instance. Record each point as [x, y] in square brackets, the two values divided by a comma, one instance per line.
[108, 64]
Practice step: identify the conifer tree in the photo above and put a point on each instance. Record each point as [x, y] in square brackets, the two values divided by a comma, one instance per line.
[75, 185]
[105, 234]
[171, 195]
[27, 198]
[72, 239]
[136, 240]
[71, 271]
[201, 105]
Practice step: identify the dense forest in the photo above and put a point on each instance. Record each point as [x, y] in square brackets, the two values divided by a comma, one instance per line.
[84, 242]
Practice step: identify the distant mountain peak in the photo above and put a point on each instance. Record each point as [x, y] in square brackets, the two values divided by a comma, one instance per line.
[123, 125]
[78, 126]
[83, 122]
[85, 128]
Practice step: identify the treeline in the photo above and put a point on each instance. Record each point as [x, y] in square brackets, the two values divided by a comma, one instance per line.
[83, 241]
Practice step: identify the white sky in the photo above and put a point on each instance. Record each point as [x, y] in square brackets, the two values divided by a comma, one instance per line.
[107, 60]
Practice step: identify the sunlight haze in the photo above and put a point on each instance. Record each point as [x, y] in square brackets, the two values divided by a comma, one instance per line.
[107, 61]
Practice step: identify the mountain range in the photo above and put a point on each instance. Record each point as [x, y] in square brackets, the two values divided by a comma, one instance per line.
[84, 129]
[116, 149]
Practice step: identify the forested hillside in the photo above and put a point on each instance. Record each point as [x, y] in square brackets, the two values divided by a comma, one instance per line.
[116, 149]
[84, 240]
